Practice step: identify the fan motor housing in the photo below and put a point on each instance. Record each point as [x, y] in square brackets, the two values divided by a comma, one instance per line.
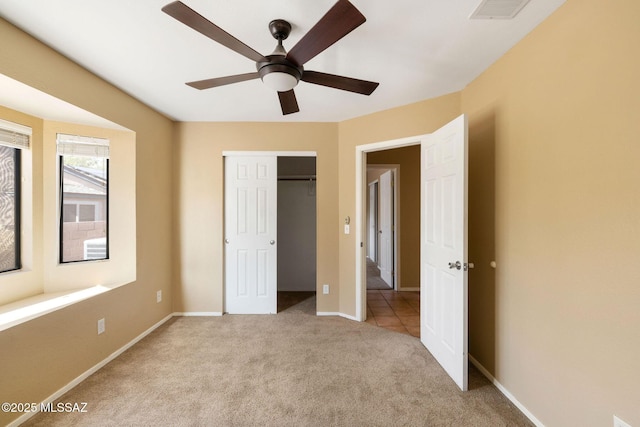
[279, 64]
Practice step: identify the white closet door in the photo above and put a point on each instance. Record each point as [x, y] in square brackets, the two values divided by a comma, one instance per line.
[250, 234]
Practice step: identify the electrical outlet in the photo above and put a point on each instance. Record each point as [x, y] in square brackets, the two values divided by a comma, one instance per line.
[158, 296]
[617, 422]
[101, 326]
[325, 289]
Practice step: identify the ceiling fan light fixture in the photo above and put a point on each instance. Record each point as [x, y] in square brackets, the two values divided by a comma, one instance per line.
[279, 81]
[279, 74]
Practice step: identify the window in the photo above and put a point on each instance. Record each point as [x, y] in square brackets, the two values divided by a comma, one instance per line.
[84, 199]
[13, 138]
[9, 208]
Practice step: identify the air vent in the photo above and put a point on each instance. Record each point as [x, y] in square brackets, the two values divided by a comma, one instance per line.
[498, 9]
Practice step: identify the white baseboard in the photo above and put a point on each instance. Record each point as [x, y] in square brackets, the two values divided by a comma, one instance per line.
[87, 373]
[348, 316]
[335, 313]
[199, 313]
[327, 313]
[506, 392]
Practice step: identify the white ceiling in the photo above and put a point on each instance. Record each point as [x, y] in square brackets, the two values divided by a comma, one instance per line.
[415, 49]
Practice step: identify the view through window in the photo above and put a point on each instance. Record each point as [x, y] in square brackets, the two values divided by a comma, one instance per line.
[84, 201]
[9, 208]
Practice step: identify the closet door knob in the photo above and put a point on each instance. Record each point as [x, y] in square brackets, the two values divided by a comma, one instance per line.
[272, 242]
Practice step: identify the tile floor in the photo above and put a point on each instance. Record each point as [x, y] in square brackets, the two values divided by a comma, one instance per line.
[396, 311]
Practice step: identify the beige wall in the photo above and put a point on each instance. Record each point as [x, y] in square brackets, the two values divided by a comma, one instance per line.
[409, 210]
[554, 131]
[42, 355]
[198, 167]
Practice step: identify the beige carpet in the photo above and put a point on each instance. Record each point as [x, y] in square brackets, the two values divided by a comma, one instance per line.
[289, 369]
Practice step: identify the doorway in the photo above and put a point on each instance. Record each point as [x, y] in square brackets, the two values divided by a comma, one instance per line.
[404, 155]
[296, 230]
[383, 226]
[262, 236]
[443, 242]
[396, 308]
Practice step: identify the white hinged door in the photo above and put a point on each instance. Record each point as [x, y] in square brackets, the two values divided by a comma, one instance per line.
[443, 281]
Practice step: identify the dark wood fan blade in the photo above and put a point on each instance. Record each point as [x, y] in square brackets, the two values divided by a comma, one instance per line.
[363, 87]
[288, 102]
[221, 81]
[193, 19]
[339, 21]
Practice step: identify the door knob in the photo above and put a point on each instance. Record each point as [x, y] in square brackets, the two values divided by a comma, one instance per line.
[272, 242]
[226, 240]
[457, 265]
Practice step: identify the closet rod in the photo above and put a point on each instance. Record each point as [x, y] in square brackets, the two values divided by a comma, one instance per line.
[297, 178]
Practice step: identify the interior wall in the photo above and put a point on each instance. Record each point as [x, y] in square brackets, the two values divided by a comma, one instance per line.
[409, 199]
[42, 355]
[199, 278]
[411, 120]
[554, 129]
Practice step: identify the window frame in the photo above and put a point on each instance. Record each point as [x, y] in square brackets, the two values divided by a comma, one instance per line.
[61, 221]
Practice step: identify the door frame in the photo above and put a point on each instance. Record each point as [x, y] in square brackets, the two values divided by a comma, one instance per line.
[372, 221]
[275, 153]
[361, 213]
[395, 168]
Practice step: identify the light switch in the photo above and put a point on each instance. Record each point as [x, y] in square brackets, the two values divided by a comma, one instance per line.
[346, 229]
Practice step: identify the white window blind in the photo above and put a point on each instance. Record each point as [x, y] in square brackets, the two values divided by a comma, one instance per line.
[74, 145]
[14, 135]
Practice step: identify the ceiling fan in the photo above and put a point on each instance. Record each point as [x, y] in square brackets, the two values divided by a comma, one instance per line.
[282, 71]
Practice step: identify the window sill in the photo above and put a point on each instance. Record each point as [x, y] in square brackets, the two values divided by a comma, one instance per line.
[22, 311]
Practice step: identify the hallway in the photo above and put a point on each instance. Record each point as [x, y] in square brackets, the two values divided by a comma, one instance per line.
[396, 311]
